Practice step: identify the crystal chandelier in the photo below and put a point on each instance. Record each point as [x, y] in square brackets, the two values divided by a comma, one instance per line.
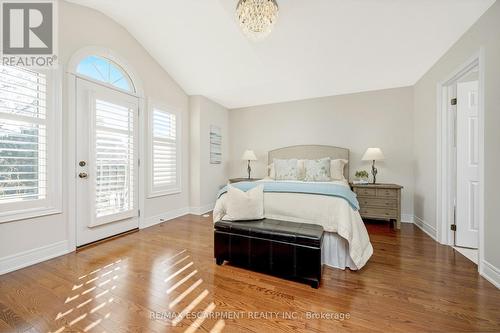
[257, 17]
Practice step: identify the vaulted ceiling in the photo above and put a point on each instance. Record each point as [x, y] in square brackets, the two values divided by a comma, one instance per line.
[317, 48]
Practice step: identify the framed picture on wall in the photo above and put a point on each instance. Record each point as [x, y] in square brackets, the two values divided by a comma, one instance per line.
[215, 145]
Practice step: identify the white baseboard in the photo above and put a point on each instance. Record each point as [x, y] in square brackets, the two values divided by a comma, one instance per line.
[425, 227]
[407, 218]
[34, 256]
[490, 273]
[202, 209]
[157, 219]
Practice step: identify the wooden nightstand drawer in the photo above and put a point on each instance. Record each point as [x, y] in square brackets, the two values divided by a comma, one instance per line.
[379, 212]
[378, 202]
[361, 191]
[387, 192]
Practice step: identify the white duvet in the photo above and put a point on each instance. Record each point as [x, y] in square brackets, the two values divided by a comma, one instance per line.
[333, 213]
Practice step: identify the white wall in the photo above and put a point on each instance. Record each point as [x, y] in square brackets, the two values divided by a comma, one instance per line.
[381, 118]
[206, 178]
[484, 33]
[21, 242]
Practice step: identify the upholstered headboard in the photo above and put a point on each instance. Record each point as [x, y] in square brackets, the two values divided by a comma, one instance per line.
[310, 152]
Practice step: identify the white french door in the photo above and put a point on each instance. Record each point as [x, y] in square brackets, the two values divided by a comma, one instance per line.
[107, 162]
[467, 218]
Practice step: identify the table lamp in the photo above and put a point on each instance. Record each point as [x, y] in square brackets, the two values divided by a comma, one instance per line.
[373, 154]
[249, 155]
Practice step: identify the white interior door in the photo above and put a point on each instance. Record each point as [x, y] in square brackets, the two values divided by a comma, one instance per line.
[467, 209]
[107, 162]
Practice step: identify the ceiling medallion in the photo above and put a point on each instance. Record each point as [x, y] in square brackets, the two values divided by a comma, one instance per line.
[257, 17]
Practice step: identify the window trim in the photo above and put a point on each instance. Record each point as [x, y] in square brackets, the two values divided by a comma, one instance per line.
[52, 204]
[151, 191]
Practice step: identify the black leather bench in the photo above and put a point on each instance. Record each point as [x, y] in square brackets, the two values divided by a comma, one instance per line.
[287, 249]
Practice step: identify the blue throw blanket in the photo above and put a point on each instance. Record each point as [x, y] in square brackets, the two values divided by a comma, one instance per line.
[328, 189]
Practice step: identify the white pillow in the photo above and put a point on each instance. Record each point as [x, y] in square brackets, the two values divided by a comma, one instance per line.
[286, 169]
[337, 169]
[271, 172]
[318, 170]
[301, 170]
[241, 206]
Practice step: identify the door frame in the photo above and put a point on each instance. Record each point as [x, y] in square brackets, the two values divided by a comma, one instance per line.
[444, 212]
[71, 76]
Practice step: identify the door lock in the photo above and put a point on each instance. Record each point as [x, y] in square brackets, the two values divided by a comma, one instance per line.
[82, 163]
[83, 175]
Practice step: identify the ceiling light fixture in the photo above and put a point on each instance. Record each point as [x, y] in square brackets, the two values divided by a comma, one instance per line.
[257, 17]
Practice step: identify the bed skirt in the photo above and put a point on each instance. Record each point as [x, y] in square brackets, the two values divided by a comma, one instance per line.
[335, 252]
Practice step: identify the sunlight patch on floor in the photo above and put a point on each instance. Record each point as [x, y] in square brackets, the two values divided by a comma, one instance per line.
[190, 307]
[197, 323]
[186, 297]
[185, 293]
[182, 281]
[70, 317]
[178, 285]
[173, 275]
[173, 257]
[176, 263]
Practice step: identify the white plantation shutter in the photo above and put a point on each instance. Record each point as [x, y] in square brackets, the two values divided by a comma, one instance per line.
[164, 152]
[23, 148]
[114, 156]
[27, 165]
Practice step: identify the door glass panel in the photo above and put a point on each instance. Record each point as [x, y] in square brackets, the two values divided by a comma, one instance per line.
[114, 156]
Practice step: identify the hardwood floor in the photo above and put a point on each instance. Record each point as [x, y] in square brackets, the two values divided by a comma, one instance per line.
[135, 283]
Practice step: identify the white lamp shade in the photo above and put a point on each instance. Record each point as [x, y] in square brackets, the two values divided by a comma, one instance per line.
[373, 154]
[249, 155]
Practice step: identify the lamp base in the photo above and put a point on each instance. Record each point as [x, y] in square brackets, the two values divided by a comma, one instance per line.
[249, 169]
[374, 172]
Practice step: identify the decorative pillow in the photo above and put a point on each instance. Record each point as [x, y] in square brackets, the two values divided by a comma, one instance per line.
[301, 169]
[286, 169]
[337, 169]
[271, 172]
[318, 170]
[241, 206]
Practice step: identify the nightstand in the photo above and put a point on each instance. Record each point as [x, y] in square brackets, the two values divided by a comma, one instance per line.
[379, 201]
[237, 180]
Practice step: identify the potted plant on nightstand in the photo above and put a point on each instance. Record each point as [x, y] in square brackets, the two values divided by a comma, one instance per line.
[361, 177]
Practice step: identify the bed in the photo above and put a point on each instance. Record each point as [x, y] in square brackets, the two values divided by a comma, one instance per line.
[346, 242]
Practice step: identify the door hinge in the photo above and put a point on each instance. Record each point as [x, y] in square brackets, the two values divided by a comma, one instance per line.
[139, 212]
[453, 226]
[453, 101]
[138, 162]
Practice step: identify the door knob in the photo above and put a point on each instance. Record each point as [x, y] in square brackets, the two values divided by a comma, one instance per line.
[83, 175]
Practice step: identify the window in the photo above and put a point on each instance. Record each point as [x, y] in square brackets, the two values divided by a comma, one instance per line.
[27, 150]
[105, 70]
[164, 150]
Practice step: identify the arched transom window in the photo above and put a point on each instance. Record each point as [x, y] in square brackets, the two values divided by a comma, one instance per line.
[105, 70]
